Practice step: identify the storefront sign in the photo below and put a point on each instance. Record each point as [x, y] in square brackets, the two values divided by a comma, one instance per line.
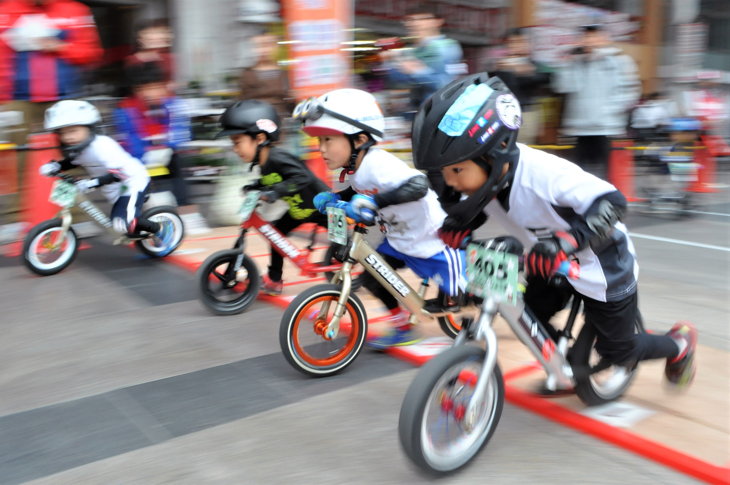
[316, 30]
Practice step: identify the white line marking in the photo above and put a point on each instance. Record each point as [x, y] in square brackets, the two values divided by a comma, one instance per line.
[679, 241]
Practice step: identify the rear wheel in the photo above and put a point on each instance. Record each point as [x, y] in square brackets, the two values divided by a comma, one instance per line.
[46, 250]
[596, 381]
[153, 246]
[223, 289]
[303, 332]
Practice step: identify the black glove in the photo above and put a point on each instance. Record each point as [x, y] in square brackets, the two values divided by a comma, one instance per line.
[252, 185]
[457, 235]
[546, 255]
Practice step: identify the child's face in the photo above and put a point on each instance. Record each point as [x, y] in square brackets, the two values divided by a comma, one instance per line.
[153, 93]
[155, 38]
[73, 135]
[244, 146]
[335, 150]
[465, 177]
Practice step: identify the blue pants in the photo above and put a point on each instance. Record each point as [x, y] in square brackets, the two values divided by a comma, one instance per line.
[447, 269]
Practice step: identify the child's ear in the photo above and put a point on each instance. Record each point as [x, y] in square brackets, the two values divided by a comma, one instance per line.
[361, 140]
[260, 138]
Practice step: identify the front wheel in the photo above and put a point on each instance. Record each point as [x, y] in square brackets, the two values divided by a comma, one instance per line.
[434, 429]
[596, 381]
[223, 289]
[47, 250]
[303, 332]
[170, 236]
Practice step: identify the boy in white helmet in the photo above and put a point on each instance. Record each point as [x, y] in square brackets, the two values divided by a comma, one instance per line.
[349, 123]
[122, 178]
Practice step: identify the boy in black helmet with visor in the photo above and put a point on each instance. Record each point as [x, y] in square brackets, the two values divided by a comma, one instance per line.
[254, 127]
[467, 132]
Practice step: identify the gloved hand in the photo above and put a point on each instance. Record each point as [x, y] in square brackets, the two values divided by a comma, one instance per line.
[364, 206]
[85, 185]
[269, 196]
[545, 257]
[457, 235]
[49, 169]
[251, 185]
[364, 215]
[323, 199]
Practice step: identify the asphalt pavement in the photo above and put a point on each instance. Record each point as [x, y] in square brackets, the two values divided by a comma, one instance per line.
[112, 372]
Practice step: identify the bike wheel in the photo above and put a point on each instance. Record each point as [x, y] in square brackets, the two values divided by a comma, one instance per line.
[597, 382]
[302, 332]
[41, 252]
[151, 246]
[433, 428]
[223, 292]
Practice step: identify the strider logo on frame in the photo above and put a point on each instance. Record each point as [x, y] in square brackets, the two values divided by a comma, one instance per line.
[279, 240]
[387, 274]
[98, 215]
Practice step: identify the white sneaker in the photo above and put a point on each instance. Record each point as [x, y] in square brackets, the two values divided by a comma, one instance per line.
[194, 223]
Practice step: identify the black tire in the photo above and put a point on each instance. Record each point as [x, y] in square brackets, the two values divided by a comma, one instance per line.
[220, 290]
[39, 236]
[441, 378]
[334, 255]
[167, 214]
[595, 382]
[320, 356]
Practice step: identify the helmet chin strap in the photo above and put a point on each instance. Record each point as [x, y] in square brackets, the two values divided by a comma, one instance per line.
[349, 169]
[256, 157]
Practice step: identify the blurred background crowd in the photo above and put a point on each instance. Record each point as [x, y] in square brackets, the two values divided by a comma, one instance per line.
[587, 72]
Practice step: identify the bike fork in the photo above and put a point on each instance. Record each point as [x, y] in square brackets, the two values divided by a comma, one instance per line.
[345, 277]
[484, 332]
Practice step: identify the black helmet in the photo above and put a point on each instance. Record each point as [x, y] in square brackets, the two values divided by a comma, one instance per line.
[251, 117]
[472, 118]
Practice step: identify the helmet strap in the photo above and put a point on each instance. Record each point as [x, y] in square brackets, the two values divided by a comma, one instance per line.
[257, 157]
[355, 152]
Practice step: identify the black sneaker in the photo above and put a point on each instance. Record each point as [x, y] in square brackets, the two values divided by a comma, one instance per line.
[680, 370]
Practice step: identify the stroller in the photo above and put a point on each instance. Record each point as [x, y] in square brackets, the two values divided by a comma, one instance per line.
[666, 169]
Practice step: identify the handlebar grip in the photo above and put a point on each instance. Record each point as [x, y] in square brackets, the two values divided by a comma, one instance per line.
[368, 217]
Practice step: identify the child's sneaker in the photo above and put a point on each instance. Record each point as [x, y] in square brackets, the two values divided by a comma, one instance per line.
[396, 337]
[680, 370]
[400, 333]
[271, 287]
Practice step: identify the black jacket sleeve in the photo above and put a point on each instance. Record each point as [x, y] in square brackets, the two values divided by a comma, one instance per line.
[293, 172]
[413, 189]
[598, 221]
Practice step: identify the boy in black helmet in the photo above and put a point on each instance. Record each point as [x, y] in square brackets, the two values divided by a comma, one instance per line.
[467, 131]
[254, 127]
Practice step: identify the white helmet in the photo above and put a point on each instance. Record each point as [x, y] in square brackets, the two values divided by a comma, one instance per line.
[71, 112]
[342, 111]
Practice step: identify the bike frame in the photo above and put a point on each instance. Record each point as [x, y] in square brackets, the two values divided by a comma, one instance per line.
[281, 244]
[97, 215]
[361, 252]
[551, 355]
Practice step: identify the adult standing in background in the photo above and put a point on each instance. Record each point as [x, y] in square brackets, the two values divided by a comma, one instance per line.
[525, 79]
[601, 86]
[433, 62]
[265, 80]
[44, 47]
[154, 41]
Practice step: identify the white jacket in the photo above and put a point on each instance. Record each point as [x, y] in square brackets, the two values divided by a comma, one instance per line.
[600, 91]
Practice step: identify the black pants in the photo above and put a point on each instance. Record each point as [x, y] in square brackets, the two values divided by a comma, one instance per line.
[592, 153]
[285, 225]
[614, 322]
[176, 180]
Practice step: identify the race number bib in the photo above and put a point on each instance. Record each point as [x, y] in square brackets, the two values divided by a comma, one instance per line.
[249, 204]
[492, 273]
[337, 225]
[63, 193]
